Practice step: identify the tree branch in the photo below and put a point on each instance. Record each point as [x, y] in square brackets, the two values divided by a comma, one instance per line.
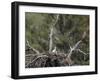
[51, 33]
[74, 48]
[81, 51]
[27, 42]
[50, 42]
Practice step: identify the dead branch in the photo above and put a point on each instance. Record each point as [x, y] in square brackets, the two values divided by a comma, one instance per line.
[27, 42]
[50, 42]
[51, 33]
[74, 48]
[81, 51]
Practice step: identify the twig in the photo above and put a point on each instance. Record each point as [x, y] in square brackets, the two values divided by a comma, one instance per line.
[81, 51]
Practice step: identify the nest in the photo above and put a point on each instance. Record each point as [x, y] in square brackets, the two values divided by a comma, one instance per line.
[46, 60]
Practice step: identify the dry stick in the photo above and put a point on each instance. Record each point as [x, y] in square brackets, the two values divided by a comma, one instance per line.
[51, 33]
[81, 52]
[32, 47]
[50, 42]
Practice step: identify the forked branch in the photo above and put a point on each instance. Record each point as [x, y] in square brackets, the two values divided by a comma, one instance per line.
[74, 48]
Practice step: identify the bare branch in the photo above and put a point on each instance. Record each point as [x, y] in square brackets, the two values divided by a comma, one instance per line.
[50, 42]
[81, 51]
[70, 46]
[27, 42]
[74, 48]
[84, 35]
[76, 45]
[51, 33]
